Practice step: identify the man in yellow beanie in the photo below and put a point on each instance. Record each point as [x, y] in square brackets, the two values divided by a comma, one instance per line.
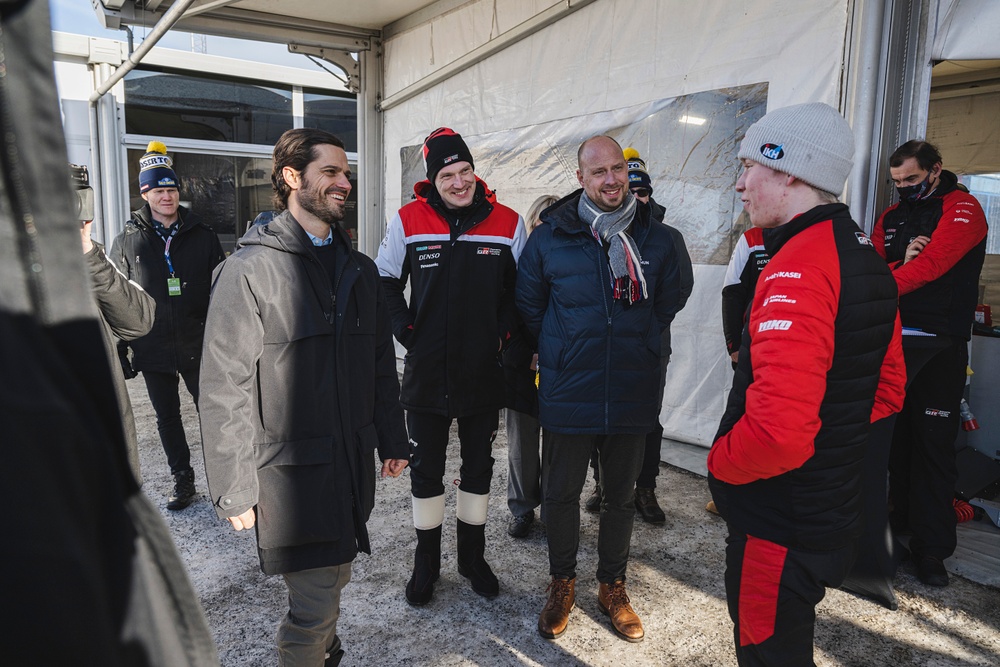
[171, 253]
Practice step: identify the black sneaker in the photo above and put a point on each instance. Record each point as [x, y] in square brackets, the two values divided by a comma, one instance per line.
[930, 570]
[184, 491]
[520, 526]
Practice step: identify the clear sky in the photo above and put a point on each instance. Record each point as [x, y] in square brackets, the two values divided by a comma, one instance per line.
[79, 17]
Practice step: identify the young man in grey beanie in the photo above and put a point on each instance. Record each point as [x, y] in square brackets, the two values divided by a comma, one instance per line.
[821, 359]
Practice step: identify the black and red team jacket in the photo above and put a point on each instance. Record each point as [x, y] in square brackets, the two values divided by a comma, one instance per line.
[461, 268]
[821, 358]
[939, 288]
[748, 260]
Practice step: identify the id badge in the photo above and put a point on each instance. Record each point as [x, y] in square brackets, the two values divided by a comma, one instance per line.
[173, 286]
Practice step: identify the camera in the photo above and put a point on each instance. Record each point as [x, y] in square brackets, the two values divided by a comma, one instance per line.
[84, 194]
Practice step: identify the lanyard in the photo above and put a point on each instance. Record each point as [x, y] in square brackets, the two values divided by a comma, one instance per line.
[166, 248]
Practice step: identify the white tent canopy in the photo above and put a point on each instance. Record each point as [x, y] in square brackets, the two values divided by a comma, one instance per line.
[526, 80]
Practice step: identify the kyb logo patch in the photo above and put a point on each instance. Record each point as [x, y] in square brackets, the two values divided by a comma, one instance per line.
[775, 325]
[495, 252]
[772, 151]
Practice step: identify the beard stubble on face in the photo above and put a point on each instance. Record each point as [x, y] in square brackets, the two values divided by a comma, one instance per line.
[315, 202]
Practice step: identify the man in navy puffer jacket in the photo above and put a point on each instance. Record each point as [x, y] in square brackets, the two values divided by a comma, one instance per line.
[596, 286]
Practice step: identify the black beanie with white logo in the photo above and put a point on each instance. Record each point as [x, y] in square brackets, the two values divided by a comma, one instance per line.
[443, 147]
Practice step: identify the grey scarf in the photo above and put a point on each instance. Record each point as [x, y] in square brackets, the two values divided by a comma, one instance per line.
[623, 255]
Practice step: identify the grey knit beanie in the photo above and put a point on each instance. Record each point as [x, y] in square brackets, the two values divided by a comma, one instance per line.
[811, 142]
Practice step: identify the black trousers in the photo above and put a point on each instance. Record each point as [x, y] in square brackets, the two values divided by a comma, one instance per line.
[564, 472]
[429, 448]
[772, 592]
[922, 468]
[651, 452]
[650, 461]
[163, 390]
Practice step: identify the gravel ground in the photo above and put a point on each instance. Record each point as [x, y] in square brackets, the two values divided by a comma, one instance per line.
[675, 582]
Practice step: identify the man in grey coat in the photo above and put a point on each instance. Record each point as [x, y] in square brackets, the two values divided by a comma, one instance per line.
[298, 388]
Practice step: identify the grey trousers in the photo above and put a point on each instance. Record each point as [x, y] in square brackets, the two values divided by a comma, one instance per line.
[308, 632]
[564, 472]
[524, 490]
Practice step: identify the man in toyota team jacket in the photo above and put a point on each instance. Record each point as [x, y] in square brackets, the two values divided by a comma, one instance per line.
[821, 359]
[458, 248]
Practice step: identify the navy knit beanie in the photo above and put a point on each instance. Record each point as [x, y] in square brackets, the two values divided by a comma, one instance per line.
[156, 169]
[638, 177]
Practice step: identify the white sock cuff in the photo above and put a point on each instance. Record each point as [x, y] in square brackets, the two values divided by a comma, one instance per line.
[471, 507]
[428, 513]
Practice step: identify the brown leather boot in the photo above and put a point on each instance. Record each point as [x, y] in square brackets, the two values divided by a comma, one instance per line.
[554, 618]
[615, 603]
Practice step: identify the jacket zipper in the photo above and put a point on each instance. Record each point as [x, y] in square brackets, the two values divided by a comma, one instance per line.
[607, 340]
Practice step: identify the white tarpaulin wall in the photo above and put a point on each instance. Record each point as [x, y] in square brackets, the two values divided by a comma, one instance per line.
[620, 66]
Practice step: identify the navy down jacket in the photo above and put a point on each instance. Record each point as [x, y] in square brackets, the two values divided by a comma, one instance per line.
[598, 359]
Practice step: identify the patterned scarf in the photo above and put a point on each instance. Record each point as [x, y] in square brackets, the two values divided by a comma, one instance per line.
[623, 255]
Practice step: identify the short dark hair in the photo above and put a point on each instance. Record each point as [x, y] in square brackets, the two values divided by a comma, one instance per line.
[926, 153]
[295, 149]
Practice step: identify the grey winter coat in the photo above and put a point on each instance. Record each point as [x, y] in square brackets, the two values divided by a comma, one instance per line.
[298, 388]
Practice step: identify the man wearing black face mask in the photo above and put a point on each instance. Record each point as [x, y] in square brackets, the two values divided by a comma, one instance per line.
[935, 241]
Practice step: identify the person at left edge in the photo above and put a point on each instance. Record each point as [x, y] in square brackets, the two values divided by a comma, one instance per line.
[458, 248]
[299, 316]
[171, 253]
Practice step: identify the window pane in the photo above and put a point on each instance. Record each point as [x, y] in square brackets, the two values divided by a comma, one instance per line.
[335, 114]
[227, 192]
[163, 104]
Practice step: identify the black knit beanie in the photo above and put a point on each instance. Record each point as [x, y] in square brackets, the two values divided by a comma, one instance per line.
[442, 147]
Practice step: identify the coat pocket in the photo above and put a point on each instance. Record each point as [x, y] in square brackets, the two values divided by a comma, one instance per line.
[367, 443]
[297, 499]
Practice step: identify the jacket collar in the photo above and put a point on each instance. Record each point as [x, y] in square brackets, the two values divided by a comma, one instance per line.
[777, 237]
[563, 216]
[947, 182]
[143, 218]
[284, 233]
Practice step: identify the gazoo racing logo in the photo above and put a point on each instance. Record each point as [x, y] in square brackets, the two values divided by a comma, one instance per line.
[863, 239]
[428, 255]
[775, 325]
[495, 252]
[934, 412]
[772, 151]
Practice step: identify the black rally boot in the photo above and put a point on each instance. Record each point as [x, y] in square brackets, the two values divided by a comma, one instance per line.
[426, 567]
[471, 564]
[184, 491]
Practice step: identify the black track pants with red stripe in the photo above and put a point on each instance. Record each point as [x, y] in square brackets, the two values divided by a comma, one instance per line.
[772, 593]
